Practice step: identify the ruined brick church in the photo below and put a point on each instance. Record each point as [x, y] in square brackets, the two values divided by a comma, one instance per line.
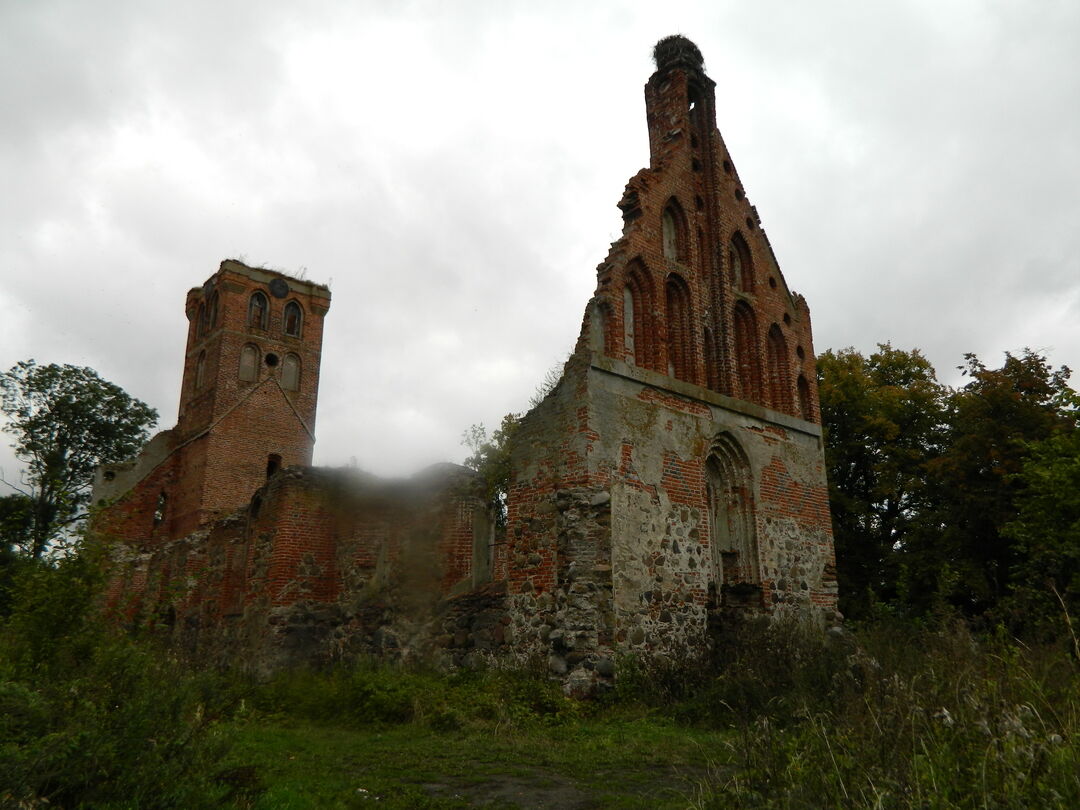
[673, 477]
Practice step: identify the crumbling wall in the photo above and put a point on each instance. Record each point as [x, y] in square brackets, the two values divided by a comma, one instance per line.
[322, 565]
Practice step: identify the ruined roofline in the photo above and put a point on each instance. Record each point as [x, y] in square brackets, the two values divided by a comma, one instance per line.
[264, 275]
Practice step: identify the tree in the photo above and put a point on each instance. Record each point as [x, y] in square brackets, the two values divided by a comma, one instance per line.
[993, 421]
[1045, 579]
[884, 420]
[491, 459]
[66, 421]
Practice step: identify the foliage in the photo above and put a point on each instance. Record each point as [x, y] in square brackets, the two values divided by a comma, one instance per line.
[90, 718]
[884, 421]
[1045, 597]
[968, 558]
[491, 458]
[897, 716]
[924, 480]
[66, 421]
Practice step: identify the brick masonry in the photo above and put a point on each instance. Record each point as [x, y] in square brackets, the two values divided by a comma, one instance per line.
[673, 478]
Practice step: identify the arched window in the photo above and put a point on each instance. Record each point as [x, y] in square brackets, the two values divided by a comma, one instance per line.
[290, 373]
[779, 371]
[200, 321]
[212, 315]
[673, 233]
[258, 311]
[806, 404]
[747, 360]
[294, 319]
[679, 329]
[273, 464]
[249, 363]
[742, 270]
[638, 321]
[200, 371]
[732, 535]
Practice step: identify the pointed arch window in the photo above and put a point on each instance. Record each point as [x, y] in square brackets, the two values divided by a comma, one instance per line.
[779, 371]
[290, 373]
[200, 371]
[258, 311]
[249, 363]
[200, 321]
[742, 269]
[747, 358]
[673, 233]
[806, 404]
[729, 494]
[638, 326]
[212, 311]
[294, 319]
[679, 329]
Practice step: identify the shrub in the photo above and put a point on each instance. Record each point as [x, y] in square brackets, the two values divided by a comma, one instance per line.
[89, 717]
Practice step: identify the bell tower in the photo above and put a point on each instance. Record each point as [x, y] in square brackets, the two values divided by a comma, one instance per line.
[250, 387]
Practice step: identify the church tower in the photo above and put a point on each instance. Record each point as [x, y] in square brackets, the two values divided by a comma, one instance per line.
[247, 406]
[251, 381]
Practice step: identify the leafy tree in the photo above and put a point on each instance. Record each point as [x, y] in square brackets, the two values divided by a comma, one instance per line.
[1046, 537]
[491, 458]
[66, 421]
[883, 418]
[16, 520]
[993, 420]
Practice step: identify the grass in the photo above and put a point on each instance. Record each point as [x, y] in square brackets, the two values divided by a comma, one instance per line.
[641, 764]
[888, 716]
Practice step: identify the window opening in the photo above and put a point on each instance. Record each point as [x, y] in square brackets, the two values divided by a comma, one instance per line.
[742, 271]
[293, 319]
[258, 311]
[212, 316]
[200, 371]
[272, 359]
[729, 496]
[273, 464]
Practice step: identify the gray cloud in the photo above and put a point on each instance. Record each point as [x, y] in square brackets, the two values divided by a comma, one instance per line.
[453, 170]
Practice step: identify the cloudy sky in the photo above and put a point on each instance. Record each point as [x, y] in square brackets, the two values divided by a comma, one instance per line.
[451, 169]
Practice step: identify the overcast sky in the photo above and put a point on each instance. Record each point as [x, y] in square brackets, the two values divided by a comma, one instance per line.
[451, 170]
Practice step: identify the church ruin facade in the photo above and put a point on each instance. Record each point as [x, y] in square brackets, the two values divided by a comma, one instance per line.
[673, 477]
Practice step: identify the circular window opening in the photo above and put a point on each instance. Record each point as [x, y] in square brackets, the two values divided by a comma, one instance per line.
[772, 283]
[787, 319]
[271, 359]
